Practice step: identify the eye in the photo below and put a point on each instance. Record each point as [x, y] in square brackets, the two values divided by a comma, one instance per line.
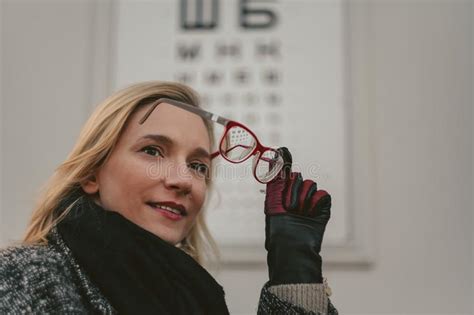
[153, 151]
[200, 168]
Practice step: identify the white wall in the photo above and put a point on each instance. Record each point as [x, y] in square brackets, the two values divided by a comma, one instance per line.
[416, 74]
[472, 169]
[421, 76]
[46, 76]
[1, 130]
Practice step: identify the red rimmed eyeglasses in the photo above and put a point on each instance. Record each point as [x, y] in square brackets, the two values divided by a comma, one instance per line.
[237, 143]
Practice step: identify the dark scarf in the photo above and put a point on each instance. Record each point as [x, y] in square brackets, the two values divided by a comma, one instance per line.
[136, 271]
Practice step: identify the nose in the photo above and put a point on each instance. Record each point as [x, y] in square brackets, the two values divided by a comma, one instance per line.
[179, 179]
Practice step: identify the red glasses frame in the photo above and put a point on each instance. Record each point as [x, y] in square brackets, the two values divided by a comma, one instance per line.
[228, 124]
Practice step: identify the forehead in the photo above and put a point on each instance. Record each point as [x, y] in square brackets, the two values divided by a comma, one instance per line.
[180, 125]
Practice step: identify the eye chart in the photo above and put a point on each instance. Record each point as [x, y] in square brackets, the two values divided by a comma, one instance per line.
[276, 66]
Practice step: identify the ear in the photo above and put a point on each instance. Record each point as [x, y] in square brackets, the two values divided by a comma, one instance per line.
[90, 186]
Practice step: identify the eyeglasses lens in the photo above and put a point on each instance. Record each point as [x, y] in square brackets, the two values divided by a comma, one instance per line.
[238, 144]
[268, 165]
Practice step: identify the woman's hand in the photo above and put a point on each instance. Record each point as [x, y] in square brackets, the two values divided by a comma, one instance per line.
[296, 214]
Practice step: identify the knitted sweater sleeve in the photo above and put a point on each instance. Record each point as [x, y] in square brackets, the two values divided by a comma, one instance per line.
[308, 299]
[31, 283]
[14, 290]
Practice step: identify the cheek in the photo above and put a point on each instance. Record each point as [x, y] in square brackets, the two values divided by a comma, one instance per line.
[119, 178]
[119, 174]
[199, 195]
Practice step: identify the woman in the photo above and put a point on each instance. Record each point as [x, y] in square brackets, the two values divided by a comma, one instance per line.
[119, 227]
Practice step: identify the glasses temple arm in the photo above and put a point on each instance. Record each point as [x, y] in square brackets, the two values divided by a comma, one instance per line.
[196, 110]
[193, 109]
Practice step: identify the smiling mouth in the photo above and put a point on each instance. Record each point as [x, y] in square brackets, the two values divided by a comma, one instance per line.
[172, 208]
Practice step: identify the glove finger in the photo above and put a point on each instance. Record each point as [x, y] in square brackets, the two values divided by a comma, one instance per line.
[291, 192]
[306, 187]
[287, 161]
[274, 161]
[307, 193]
[321, 205]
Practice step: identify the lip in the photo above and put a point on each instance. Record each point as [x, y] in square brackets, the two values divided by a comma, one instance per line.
[170, 215]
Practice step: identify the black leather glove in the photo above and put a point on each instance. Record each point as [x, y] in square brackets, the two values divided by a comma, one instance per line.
[296, 214]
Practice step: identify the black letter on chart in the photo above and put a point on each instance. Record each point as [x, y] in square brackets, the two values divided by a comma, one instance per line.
[205, 14]
[188, 52]
[262, 18]
[233, 50]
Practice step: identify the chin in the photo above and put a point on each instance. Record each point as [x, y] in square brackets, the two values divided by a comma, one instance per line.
[170, 238]
[173, 241]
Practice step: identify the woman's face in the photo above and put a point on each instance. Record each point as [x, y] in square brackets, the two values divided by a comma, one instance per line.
[156, 175]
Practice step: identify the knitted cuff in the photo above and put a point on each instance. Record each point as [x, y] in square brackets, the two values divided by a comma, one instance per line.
[310, 296]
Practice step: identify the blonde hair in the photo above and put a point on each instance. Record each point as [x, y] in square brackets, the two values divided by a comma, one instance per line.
[93, 147]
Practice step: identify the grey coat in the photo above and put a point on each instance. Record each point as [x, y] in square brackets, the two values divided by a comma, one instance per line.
[46, 279]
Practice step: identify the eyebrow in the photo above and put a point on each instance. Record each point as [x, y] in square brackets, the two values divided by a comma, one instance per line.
[199, 151]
